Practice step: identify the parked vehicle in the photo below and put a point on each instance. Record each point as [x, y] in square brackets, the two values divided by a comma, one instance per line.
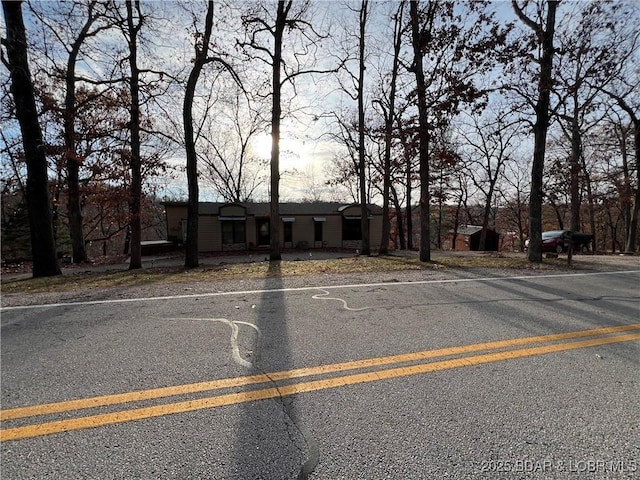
[558, 241]
[554, 241]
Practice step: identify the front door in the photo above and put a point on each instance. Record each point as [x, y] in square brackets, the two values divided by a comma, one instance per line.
[262, 224]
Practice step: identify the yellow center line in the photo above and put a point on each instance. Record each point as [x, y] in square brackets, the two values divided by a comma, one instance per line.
[150, 394]
[266, 393]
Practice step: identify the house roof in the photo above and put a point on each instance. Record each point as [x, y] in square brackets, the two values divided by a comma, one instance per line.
[260, 209]
[470, 230]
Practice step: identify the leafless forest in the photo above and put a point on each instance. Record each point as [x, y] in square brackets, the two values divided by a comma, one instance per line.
[518, 116]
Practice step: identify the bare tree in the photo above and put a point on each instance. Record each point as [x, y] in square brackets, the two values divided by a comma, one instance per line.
[312, 184]
[141, 84]
[354, 130]
[134, 22]
[364, 210]
[447, 168]
[491, 144]
[346, 169]
[12, 172]
[543, 30]
[622, 90]
[45, 261]
[345, 160]
[621, 131]
[201, 52]
[611, 155]
[389, 112]
[265, 36]
[447, 66]
[461, 197]
[516, 176]
[579, 61]
[418, 40]
[591, 49]
[202, 57]
[406, 136]
[73, 25]
[630, 244]
[231, 163]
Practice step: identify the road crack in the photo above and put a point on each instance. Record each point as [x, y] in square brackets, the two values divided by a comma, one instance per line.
[289, 409]
[286, 402]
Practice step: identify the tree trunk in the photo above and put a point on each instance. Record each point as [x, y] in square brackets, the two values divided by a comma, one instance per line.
[423, 135]
[73, 177]
[558, 213]
[574, 167]
[364, 210]
[626, 191]
[482, 246]
[191, 247]
[630, 244]
[408, 177]
[135, 162]
[399, 220]
[193, 204]
[43, 246]
[440, 218]
[592, 214]
[276, 113]
[388, 133]
[613, 229]
[545, 84]
[79, 252]
[409, 214]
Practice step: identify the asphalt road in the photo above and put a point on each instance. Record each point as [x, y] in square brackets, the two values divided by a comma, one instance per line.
[456, 378]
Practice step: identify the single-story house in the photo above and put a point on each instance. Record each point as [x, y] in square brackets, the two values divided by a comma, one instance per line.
[246, 225]
[468, 238]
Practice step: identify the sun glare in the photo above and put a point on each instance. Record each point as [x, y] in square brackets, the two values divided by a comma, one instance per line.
[262, 145]
[294, 153]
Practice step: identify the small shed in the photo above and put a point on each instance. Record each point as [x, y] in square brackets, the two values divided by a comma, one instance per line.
[468, 239]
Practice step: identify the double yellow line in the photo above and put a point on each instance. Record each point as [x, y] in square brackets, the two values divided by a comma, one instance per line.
[501, 350]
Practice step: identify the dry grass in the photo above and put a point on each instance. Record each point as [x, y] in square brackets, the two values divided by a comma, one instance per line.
[93, 279]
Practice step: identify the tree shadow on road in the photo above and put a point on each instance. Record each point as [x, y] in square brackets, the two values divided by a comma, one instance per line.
[270, 440]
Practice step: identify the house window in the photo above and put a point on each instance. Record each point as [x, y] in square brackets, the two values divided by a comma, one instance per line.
[351, 229]
[233, 231]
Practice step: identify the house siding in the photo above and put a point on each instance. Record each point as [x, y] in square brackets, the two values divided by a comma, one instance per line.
[232, 211]
[251, 232]
[303, 229]
[174, 216]
[332, 233]
[208, 234]
[302, 224]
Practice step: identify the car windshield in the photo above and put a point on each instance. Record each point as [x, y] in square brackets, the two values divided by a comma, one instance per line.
[553, 234]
